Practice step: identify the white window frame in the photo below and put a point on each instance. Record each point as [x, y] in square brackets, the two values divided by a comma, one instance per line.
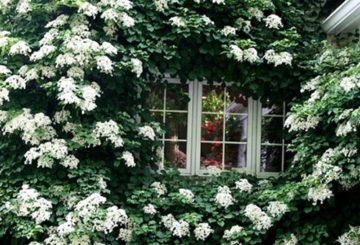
[193, 141]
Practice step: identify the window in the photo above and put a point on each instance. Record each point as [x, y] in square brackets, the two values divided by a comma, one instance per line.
[217, 127]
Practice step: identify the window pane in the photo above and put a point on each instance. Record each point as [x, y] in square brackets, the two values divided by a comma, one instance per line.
[235, 156]
[211, 155]
[271, 158]
[236, 128]
[212, 99]
[175, 154]
[176, 125]
[157, 117]
[272, 129]
[272, 109]
[155, 99]
[288, 157]
[177, 97]
[212, 127]
[235, 102]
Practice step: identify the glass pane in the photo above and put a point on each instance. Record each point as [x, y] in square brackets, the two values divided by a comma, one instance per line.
[211, 155]
[235, 156]
[177, 97]
[236, 128]
[176, 125]
[155, 99]
[212, 127]
[272, 109]
[272, 129]
[235, 102]
[271, 158]
[288, 157]
[157, 117]
[212, 99]
[175, 154]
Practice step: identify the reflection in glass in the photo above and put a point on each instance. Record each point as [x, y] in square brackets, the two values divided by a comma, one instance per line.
[177, 97]
[235, 102]
[212, 99]
[272, 129]
[236, 128]
[212, 127]
[271, 158]
[175, 154]
[176, 125]
[235, 156]
[155, 99]
[211, 155]
[272, 109]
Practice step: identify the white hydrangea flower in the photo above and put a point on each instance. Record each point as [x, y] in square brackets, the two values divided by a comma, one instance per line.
[110, 131]
[224, 197]
[180, 228]
[202, 231]
[207, 20]
[273, 21]
[256, 13]
[214, 171]
[44, 51]
[76, 72]
[67, 89]
[125, 235]
[49, 37]
[319, 194]
[161, 5]
[237, 52]
[70, 161]
[32, 74]
[243, 185]
[348, 83]
[345, 128]
[126, 20]
[89, 94]
[292, 241]
[67, 59]
[137, 67]
[352, 237]
[114, 216]
[259, 218]
[186, 194]
[102, 183]
[104, 64]
[23, 6]
[128, 158]
[150, 209]
[236, 229]
[228, 30]
[278, 59]
[218, 1]
[82, 46]
[58, 22]
[110, 15]
[296, 124]
[88, 9]
[251, 55]
[147, 132]
[108, 48]
[277, 208]
[16, 82]
[4, 41]
[168, 221]
[21, 47]
[159, 188]
[177, 21]
[89, 206]
[4, 95]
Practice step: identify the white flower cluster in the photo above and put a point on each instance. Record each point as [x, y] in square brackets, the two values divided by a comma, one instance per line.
[150, 209]
[249, 54]
[16, 82]
[273, 21]
[228, 234]
[256, 13]
[4, 95]
[283, 58]
[224, 197]
[110, 131]
[243, 185]
[125, 235]
[137, 67]
[177, 21]
[58, 22]
[218, 1]
[88, 9]
[348, 83]
[147, 131]
[213, 170]
[237, 52]
[259, 218]
[319, 194]
[28, 203]
[277, 208]
[44, 51]
[295, 123]
[89, 205]
[4, 70]
[159, 188]
[324, 169]
[30, 125]
[46, 153]
[202, 231]
[21, 47]
[311, 85]
[62, 116]
[207, 20]
[228, 31]
[186, 194]
[128, 158]
[114, 216]
[345, 128]
[104, 64]
[352, 237]
[23, 6]
[290, 241]
[168, 221]
[180, 228]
